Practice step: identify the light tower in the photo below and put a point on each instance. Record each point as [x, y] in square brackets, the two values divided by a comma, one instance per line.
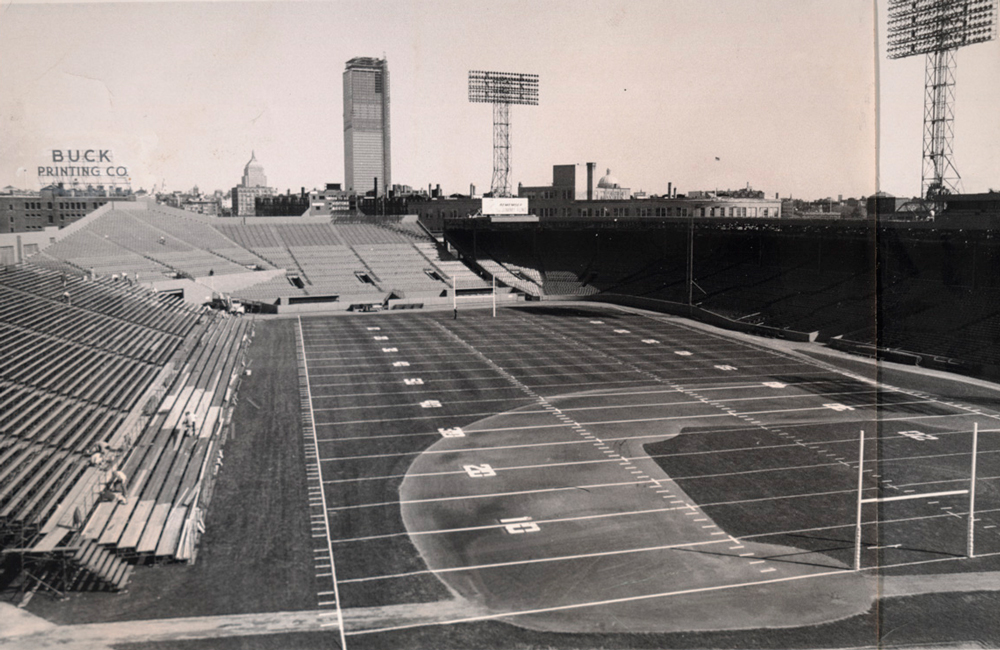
[936, 28]
[502, 89]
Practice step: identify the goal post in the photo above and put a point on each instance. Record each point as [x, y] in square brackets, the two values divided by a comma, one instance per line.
[971, 491]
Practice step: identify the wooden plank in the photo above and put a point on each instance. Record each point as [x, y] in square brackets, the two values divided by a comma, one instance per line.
[117, 522]
[123, 580]
[98, 520]
[154, 527]
[51, 540]
[136, 523]
[171, 532]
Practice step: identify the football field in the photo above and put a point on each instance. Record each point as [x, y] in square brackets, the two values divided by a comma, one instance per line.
[593, 470]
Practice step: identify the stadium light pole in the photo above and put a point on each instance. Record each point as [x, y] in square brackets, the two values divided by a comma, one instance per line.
[502, 89]
[936, 29]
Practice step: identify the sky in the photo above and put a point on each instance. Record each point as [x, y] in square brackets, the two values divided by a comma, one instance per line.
[705, 94]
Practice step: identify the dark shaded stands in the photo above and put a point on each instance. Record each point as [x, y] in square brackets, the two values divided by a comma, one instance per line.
[938, 287]
[97, 366]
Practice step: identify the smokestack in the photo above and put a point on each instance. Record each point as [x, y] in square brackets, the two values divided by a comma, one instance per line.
[590, 181]
[376, 186]
[670, 190]
[472, 189]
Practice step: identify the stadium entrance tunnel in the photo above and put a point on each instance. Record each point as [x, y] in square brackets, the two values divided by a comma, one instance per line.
[537, 520]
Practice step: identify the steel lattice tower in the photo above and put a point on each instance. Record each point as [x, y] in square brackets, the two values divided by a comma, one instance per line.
[502, 89]
[937, 28]
[501, 150]
[939, 173]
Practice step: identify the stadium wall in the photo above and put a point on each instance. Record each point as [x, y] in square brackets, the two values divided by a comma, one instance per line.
[915, 288]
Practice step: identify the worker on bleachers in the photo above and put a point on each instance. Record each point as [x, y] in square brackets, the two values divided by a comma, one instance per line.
[189, 424]
[118, 481]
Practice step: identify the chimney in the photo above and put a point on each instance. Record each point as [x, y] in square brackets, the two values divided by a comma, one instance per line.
[590, 181]
[670, 190]
[376, 186]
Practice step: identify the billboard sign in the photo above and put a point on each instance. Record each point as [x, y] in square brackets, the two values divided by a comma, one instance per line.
[82, 167]
[504, 205]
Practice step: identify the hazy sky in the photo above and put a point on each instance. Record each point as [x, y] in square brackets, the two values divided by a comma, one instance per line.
[781, 91]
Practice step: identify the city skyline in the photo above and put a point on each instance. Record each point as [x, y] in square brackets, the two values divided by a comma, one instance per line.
[774, 93]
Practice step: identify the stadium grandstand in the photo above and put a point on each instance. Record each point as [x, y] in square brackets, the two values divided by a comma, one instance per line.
[932, 297]
[147, 349]
[265, 263]
[94, 372]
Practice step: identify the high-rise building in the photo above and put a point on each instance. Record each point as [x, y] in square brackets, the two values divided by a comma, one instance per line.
[367, 154]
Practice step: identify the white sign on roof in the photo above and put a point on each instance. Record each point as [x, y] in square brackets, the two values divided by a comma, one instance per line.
[508, 205]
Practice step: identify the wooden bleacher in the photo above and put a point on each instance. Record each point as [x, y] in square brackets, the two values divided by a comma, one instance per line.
[166, 468]
[76, 375]
[70, 375]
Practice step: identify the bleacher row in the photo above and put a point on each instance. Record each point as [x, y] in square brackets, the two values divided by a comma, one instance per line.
[355, 260]
[331, 258]
[167, 468]
[151, 242]
[69, 376]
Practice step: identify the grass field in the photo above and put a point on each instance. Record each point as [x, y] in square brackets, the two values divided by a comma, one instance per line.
[566, 477]
[661, 470]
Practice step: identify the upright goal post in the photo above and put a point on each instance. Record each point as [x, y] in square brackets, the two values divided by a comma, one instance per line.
[971, 491]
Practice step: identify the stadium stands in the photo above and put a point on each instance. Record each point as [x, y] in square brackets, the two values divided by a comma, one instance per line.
[932, 292]
[152, 242]
[82, 366]
[168, 465]
[71, 376]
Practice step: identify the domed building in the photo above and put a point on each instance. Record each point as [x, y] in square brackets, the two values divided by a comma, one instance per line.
[609, 189]
[254, 184]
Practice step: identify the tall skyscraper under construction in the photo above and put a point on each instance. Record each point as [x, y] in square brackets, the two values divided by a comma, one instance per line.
[367, 157]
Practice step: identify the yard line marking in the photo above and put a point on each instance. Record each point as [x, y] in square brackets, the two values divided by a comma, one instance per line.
[483, 496]
[611, 601]
[326, 520]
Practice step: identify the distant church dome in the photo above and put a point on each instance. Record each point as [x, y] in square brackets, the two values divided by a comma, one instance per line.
[608, 181]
